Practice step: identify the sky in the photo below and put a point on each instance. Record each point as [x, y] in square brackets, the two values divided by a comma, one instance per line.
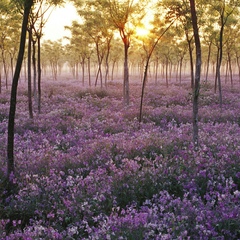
[63, 16]
[60, 17]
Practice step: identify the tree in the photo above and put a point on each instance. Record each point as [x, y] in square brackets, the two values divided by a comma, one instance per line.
[196, 87]
[115, 57]
[225, 10]
[30, 110]
[181, 50]
[208, 40]
[13, 101]
[54, 54]
[125, 16]
[97, 24]
[149, 48]
[9, 33]
[181, 10]
[37, 22]
[80, 50]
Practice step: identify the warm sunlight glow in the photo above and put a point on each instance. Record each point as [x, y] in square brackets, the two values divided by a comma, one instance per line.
[142, 32]
[59, 18]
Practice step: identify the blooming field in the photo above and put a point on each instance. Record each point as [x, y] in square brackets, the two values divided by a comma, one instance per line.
[86, 169]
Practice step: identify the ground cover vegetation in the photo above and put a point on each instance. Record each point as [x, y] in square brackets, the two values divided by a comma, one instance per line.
[86, 168]
[84, 159]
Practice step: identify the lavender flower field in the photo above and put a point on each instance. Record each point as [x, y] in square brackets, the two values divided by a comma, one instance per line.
[86, 168]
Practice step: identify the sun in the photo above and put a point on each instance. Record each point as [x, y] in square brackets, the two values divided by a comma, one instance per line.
[141, 31]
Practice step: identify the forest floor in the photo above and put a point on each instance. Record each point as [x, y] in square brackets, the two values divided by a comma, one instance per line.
[87, 169]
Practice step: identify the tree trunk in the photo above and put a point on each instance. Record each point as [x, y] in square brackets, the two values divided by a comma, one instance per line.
[180, 70]
[166, 72]
[219, 67]
[126, 75]
[113, 67]
[208, 60]
[238, 65]
[30, 75]
[13, 100]
[107, 60]
[143, 87]
[0, 83]
[156, 71]
[39, 73]
[83, 70]
[34, 70]
[100, 58]
[89, 72]
[226, 72]
[230, 68]
[191, 60]
[197, 75]
[5, 69]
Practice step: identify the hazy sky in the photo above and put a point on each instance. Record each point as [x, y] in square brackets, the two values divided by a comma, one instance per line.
[60, 17]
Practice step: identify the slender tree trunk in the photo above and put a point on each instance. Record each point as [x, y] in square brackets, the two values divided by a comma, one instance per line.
[166, 72]
[180, 70]
[97, 76]
[197, 75]
[143, 87]
[191, 61]
[156, 71]
[219, 64]
[113, 67]
[0, 82]
[76, 70]
[208, 60]
[126, 75]
[11, 60]
[5, 69]
[226, 72]
[107, 60]
[89, 72]
[216, 76]
[177, 69]
[30, 74]
[39, 73]
[230, 68]
[100, 58]
[238, 64]
[13, 99]
[34, 70]
[83, 70]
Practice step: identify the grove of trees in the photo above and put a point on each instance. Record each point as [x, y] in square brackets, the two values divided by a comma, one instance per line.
[127, 129]
[95, 51]
[106, 45]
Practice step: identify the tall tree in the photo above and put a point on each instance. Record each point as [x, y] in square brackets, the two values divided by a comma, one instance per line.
[225, 10]
[125, 16]
[39, 15]
[181, 9]
[196, 87]
[30, 110]
[97, 25]
[149, 48]
[53, 50]
[13, 101]
[9, 33]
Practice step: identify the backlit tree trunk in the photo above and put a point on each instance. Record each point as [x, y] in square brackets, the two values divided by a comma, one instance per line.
[13, 101]
[126, 74]
[196, 86]
[39, 72]
[30, 110]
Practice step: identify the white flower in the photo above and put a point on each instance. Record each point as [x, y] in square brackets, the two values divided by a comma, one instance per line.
[72, 230]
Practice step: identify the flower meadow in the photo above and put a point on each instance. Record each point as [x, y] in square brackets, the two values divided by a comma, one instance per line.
[86, 168]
